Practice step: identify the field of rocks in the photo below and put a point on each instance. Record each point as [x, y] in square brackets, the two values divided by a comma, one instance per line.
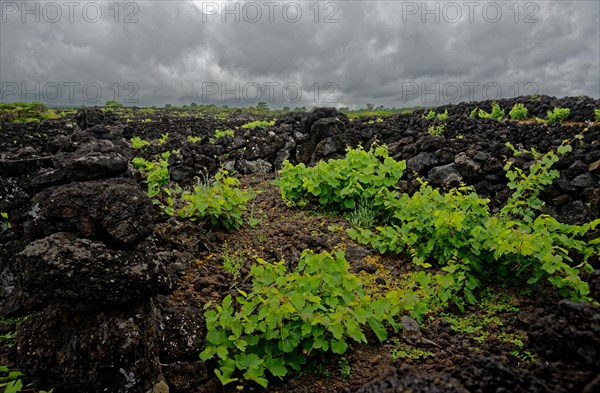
[109, 275]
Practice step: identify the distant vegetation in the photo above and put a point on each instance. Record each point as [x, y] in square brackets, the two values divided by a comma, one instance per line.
[20, 112]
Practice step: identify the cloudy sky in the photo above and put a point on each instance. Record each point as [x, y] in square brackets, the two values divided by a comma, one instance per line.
[296, 53]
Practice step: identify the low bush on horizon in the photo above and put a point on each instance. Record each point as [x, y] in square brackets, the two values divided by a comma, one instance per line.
[22, 112]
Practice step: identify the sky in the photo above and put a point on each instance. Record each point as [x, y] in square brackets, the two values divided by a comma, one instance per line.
[296, 53]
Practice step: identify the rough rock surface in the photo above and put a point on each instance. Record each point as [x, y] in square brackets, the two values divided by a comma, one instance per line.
[91, 350]
[407, 379]
[62, 267]
[571, 335]
[116, 211]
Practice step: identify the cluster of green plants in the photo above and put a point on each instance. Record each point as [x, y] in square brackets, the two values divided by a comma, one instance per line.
[220, 201]
[439, 128]
[344, 184]
[557, 115]
[163, 139]
[440, 116]
[11, 381]
[19, 112]
[224, 133]
[436, 130]
[193, 138]
[139, 143]
[5, 224]
[497, 113]
[597, 115]
[156, 173]
[289, 318]
[258, 123]
[518, 112]
[456, 232]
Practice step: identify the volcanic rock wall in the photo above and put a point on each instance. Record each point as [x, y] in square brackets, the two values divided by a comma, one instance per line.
[80, 258]
[471, 151]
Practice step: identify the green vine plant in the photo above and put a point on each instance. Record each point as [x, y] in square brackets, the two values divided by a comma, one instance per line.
[440, 116]
[258, 124]
[344, 184]
[436, 130]
[456, 233]
[557, 115]
[218, 202]
[453, 236]
[289, 318]
[139, 143]
[497, 113]
[518, 112]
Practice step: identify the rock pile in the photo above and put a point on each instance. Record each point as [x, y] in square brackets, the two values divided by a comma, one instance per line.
[81, 260]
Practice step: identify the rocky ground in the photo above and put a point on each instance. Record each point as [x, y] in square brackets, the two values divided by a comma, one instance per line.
[107, 294]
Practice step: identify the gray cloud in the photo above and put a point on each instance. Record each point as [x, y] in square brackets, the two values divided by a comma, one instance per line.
[379, 52]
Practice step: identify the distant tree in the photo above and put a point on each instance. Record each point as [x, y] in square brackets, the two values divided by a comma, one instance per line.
[113, 104]
[370, 107]
[262, 105]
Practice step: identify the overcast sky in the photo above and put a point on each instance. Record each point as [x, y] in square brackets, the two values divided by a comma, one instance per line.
[296, 53]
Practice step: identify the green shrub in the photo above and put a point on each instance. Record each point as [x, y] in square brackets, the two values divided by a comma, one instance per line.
[497, 113]
[155, 172]
[138, 143]
[289, 317]
[597, 114]
[436, 130]
[163, 139]
[220, 202]
[222, 134]
[440, 116]
[518, 112]
[258, 123]
[473, 113]
[194, 139]
[342, 184]
[430, 114]
[558, 115]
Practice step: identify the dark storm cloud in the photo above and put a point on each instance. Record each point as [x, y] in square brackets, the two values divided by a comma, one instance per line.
[389, 53]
